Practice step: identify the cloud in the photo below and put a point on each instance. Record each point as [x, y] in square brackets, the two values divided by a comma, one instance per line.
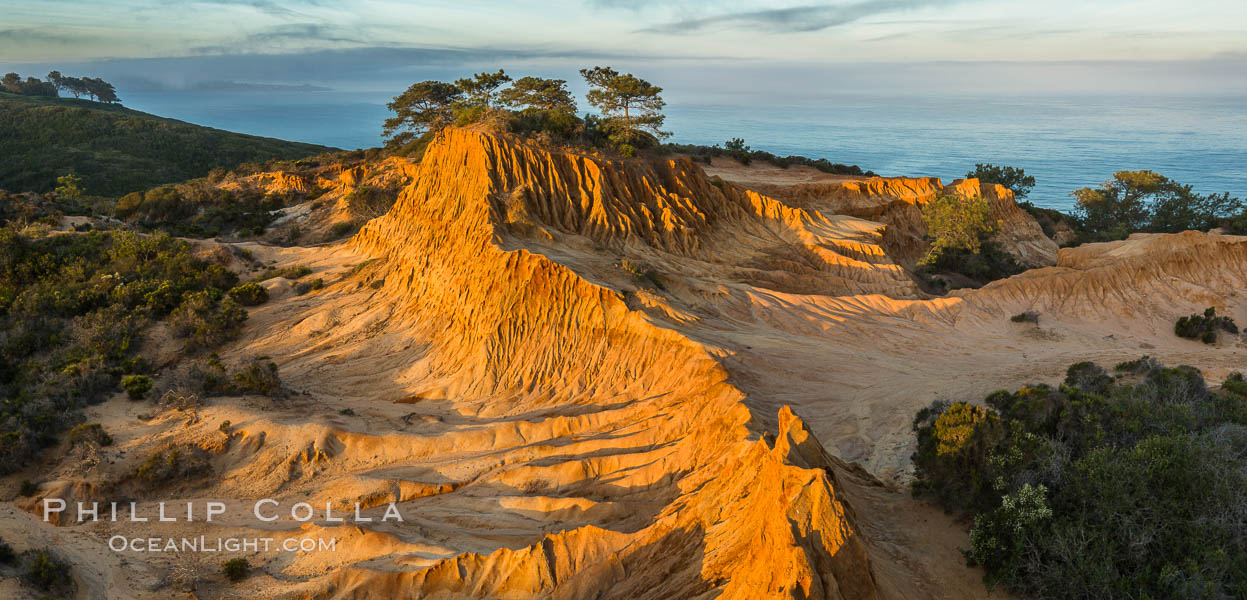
[797, 18]
[1231, 55]
[40, 35]
[297, 36]
[271, 7]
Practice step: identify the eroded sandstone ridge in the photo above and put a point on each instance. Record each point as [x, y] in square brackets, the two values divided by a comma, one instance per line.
[897, 202]
[669, 487]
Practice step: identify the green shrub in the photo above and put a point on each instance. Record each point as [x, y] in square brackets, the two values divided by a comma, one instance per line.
[990, 263]
[368, 202]
[343, 229]
[956, 223]
[173, 464]
[7, 555]
[45, 572]
[89, 433]
[1103, 488]
[258, 377]
[236, 569]
[1088, 377]
[1029, 316]
[206, 320]
[208, 377]
[1137, 366]
[304, 287]
[136, 386]
[249, 294]
[1204, 327]
[951, 443]
[151, 467]
[642, 275]
[28, 488]
[291, 272]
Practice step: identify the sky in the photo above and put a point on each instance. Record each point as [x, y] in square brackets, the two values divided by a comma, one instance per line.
[846, 30]
[716, 50]
[718, 31]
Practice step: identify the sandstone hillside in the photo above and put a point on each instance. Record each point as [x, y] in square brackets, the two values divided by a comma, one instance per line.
[590, 378]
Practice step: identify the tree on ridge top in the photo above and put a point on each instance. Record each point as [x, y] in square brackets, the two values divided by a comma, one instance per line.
[481, 89]
[539, 93]
[630, 104]
[424, 106]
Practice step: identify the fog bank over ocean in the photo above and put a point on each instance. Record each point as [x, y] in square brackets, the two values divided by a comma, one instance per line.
[1069, 124]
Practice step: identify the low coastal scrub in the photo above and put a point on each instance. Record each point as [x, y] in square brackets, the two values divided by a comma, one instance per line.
[1029, 316]
[206, 319]
[249, 294]
[72, 309]
[367, 202]
[236, 569]
[210, 377]
[45, 572]
[736, 149]
[136, 386]
[291, 272]
[89, 433]
[164, 466]
[642, 275]
[1111, 485]
[199, 208]
[304, 287]
[1204, 327]
[258, 377]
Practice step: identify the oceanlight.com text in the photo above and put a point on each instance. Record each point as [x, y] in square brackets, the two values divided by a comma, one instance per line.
[121, 543]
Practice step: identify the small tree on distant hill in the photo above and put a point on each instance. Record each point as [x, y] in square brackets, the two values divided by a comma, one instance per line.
[1013, 178]
[75, 86]
[57, 80]
[100, 89]
[68, 187]
[425, 106]
[481, 90]
[12, 83]
[35, 87]
[631, 106]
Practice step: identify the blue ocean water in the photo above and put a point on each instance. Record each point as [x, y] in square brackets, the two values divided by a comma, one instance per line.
[1066, 142]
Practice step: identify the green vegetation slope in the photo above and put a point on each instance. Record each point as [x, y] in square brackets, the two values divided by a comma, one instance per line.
[116, 150]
